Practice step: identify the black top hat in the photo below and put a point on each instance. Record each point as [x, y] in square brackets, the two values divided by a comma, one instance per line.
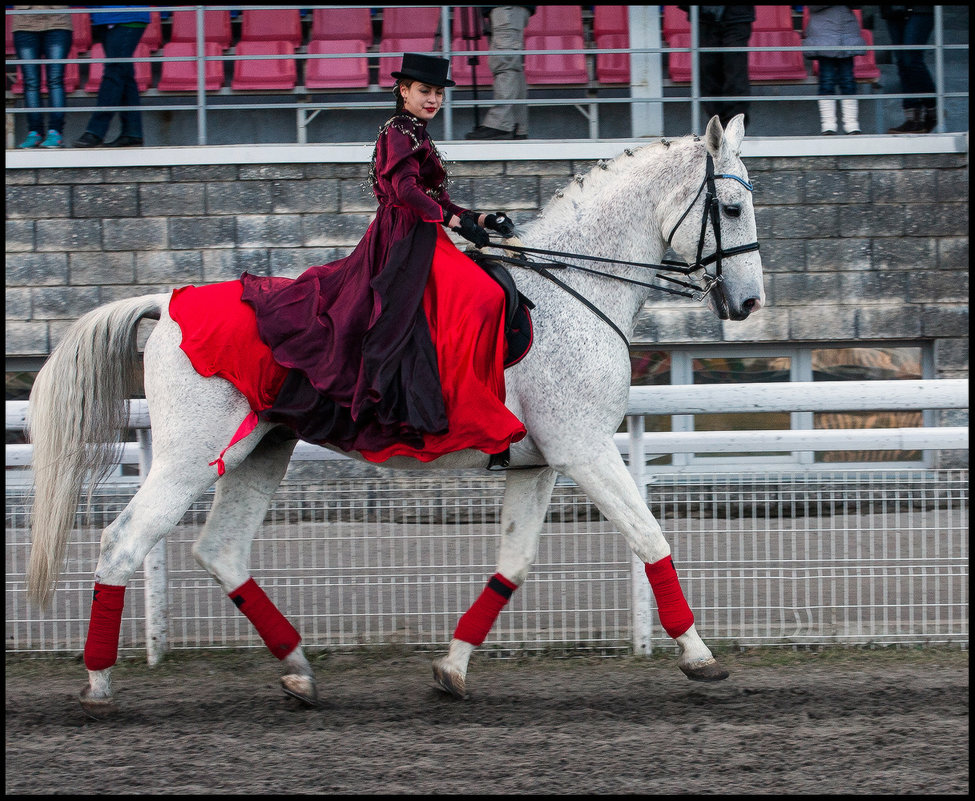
[426, 69]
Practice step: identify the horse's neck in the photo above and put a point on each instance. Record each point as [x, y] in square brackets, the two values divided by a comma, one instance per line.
[615, 216]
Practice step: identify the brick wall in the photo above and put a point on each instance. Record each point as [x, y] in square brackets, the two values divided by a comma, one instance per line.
[855, 248]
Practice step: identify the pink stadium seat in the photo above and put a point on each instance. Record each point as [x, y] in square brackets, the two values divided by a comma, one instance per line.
[468, 19]
[679, 64]
[405, 30]
[72, 77]
[216, 27]
[674, 21]
[81, 32]
[773, 18]
[265, 74]
[410, 23]
[180, 76]
[152, 36]
[772, 65]
[610, 29]
[555, 21]
[865, 67]
[143, 69]
[342, 24]
[613, 67]
[549, 68]
[610, 19]
[555, 28]
[336, 73]
[462, 72]
[271, 25]
[388, 64]
[11, 50]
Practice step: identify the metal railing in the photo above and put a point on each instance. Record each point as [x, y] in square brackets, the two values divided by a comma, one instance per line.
[767, 558]
[587, 101]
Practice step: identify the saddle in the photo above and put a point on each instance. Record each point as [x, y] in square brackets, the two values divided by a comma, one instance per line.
[517, 316]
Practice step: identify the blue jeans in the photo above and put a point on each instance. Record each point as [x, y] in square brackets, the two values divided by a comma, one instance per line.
[836, 73]
[43, 44]
[914, 29]
[118, 86]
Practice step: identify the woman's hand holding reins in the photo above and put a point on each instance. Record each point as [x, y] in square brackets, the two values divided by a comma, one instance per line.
[500, 222]
[470, 229]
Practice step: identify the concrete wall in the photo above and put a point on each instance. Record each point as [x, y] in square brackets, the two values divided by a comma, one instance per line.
[856, 248]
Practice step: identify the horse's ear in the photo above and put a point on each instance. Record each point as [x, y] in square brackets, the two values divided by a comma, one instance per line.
[734, 133]
[713, 136]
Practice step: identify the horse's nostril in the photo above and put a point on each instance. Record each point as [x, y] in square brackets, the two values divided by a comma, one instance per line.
[751, 305]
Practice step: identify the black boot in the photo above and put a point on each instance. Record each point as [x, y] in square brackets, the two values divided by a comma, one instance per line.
[913, 123]
[930, 120]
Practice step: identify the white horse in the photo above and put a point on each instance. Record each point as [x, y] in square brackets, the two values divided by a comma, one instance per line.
[570, 391]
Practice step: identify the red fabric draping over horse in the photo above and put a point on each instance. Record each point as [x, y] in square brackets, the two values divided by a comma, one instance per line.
[220, 338]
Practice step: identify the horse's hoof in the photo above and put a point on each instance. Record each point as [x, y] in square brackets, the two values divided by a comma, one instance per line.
[709, 670]
[449, 679]
[96, 708]
[300, 687]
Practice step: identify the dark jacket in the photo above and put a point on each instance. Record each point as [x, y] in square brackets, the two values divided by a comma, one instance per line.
[727, 15]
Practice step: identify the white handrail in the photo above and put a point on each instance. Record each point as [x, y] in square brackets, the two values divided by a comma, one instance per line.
[796, 396]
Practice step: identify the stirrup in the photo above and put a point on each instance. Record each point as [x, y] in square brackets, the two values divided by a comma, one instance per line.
[500, 461]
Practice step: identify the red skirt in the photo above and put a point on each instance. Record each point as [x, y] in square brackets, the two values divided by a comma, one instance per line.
[464, 309]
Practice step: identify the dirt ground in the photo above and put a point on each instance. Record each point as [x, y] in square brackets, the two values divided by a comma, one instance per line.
[851, 721]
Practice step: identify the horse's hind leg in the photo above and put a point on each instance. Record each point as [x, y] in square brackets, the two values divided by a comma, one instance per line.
[526, 497]
[154, 510]
[223, 549]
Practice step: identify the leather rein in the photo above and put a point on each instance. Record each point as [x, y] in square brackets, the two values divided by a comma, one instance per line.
[697, 289]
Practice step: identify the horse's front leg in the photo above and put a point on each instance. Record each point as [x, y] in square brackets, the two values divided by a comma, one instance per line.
[603, 476]
[526, 497]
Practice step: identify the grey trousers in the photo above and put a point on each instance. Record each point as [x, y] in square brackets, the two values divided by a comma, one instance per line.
[508, 33]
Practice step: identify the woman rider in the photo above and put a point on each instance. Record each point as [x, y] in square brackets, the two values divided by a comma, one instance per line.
[398, 348]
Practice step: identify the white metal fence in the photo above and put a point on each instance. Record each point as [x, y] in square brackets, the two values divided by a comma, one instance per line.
[805, 557]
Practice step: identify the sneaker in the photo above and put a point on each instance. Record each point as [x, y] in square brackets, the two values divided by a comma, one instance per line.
[484, 132]
[88, 139]
[33, 140]
[53, 139]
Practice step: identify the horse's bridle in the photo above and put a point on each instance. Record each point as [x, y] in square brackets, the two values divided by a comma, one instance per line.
[697, 291]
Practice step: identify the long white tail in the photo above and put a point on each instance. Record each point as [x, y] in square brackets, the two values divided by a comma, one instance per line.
[75, 418]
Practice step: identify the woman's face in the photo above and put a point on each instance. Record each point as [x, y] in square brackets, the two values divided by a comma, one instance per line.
[422, 100]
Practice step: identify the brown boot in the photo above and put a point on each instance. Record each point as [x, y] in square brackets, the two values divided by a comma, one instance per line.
[930, 119]
[913, 124]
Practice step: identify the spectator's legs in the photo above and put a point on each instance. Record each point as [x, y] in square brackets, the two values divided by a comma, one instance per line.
[725, 74]
[710, 68]
[911, 69]
[827, 103]
[118, 85]
[28, 45]
[57, 44]
[737, 82]
[508, 33]
[921, 113]
[848, 86]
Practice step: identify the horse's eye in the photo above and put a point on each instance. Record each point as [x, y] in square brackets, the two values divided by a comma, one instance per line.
[732, 209]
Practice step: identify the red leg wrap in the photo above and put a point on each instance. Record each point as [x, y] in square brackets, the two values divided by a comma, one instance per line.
[101, 646]
[675, 615]
[476, 622]
[278, 634]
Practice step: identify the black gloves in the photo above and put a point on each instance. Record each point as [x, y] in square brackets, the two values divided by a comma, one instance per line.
[471, 231]
[500, 222]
